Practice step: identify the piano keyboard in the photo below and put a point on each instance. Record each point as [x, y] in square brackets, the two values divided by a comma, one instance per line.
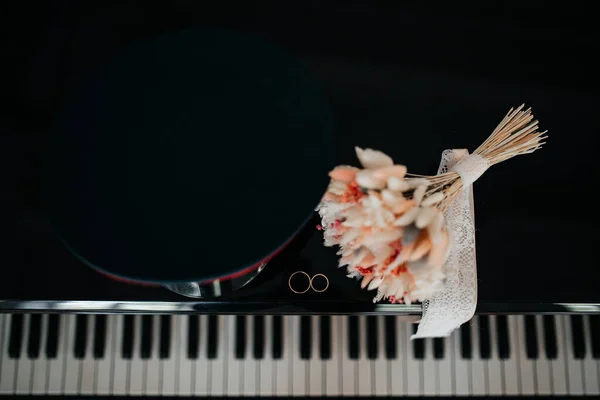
[295, 355]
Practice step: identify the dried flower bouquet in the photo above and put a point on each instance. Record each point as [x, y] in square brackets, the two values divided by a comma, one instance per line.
[389, 224]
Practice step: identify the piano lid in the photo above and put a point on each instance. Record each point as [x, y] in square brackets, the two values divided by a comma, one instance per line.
[434, 86]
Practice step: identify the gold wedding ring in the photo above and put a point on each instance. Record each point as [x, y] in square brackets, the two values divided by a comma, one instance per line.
[298, 291]
[326, 283]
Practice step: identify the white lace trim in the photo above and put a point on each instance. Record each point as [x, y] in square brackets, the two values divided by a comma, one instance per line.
[455, 303]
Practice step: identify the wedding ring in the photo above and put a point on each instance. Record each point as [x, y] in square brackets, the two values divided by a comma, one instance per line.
[307, 286]
[326, 283]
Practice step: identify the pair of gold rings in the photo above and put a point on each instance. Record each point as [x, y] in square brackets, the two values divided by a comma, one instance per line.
[321, 284]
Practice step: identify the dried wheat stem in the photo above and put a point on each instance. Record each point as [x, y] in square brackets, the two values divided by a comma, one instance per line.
[515, 135]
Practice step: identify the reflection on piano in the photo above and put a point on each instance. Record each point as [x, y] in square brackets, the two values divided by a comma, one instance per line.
[212, 355]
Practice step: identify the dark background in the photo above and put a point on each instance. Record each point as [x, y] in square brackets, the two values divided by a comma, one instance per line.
[410, 79]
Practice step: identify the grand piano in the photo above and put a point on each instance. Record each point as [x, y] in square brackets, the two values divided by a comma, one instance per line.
[443, 76]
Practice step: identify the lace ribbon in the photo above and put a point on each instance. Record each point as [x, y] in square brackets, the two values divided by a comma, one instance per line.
[455, 304]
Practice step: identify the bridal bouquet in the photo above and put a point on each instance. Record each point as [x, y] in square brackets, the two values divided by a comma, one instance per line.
[392, 227]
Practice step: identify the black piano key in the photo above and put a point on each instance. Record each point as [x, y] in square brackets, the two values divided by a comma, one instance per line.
[128, 341]
[212, 337]
[531, 343]
[325, 341]
[277, 337]
[100, 336]
[466, 348]
[35, 336]
[418, 345]
[391, 337]
[353, 337]
[577, 336]
[503, 337]
[15, 340]
[372, 337]
[240, 337]
[258, 344]
[193, 338]
[164, 346]
[305, 337]
[81, 335]
[52, 335]
[438, 348]
[147, 336]
[485, 340]
[595, 334]
[550, 345]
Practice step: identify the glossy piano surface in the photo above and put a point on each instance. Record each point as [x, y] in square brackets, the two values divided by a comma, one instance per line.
[406, 80]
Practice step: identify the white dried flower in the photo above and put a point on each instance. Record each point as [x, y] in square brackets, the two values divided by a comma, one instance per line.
[386, 236]
[349, 236]
[372, 159]
[416, 182]
[396, 184]
[408, 217]
[425, 217]
[419, 193]
[367, 180]
[435, 227]
[365, 281]
[391, 199]
[393, 170]
[375, 282]
[433, 199]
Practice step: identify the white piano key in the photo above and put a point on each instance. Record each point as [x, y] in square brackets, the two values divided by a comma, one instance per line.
[25, 364]
[462, 367]
[122, 367]
[235, 370]
[590, 366]
[511, 364]
[398, 366]
[349, 366]
[152, 369]
[414, 368]
[8, 368]
[170, 366]
[218, 368]
[250, 365]
[57, 366]
[137, 365]
[379, 366]
[104, 366]
[478, 365]
[574, 366]
[40, 371]
[332, 366]
[559, 365]
[187, 372]
[542, 364]
[72, 375]
[202, 365]
[526, 365]
[299, 367]
[494, 375]
[87, 382]
[267, 384]
[445, 373]
[431, 371]
[365, 384]
[316, 372]
[282, 367]
[219, 374]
